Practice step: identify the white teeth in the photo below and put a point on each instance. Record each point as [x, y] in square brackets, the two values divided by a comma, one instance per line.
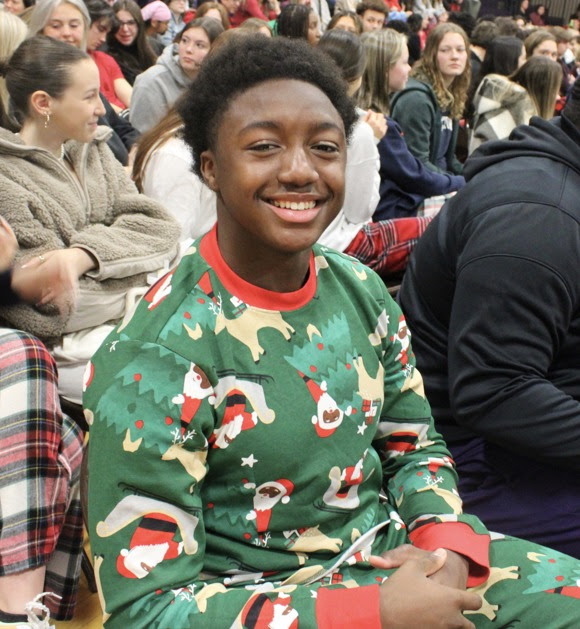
[288, 205]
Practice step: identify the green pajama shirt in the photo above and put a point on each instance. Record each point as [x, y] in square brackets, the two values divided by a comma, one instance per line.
[239, 442]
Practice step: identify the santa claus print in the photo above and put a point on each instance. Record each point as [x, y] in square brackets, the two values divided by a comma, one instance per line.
[266, 497]
[152, 542]
[236, 419]
[262, 613]
[343, 489]
[402, 337]
[196, 387]
[328, 415]
[88, 375]
[159, 291]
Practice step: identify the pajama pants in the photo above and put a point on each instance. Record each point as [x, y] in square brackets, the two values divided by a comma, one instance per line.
[385, 246]
[40, 460]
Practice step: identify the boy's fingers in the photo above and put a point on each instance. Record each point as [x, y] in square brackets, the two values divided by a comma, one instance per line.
[471, 601]
[433, 561]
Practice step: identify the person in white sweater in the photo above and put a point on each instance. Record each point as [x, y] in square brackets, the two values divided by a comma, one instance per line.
[163, 171]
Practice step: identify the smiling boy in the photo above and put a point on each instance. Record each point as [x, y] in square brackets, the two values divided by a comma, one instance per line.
[245, 421]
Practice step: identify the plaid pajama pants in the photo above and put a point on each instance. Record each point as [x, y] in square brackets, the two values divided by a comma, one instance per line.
[385, 246]
[40, 460]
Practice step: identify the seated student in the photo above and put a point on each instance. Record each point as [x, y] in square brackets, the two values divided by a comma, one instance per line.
[158, 88]
[538, 15]
[480, 39]
[69, 21]
[40, 455]
[127, 41]
[492, 301]
[541, 43]
[262, 9]
[69, 201]
[501, 103]
[384, 246]
[407, 187]
[246, 417]
[156, 16]
[503, 56]
[429, 108]
[114, 85]
[372, 13]
[176, 21]
[299, 21]
[346, 21]
[215, 10]
[163, 170]
[12, 33]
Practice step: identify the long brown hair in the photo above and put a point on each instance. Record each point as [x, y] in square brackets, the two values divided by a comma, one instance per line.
[168, 127]
[139, 55]
[541, 77]
[450, 98]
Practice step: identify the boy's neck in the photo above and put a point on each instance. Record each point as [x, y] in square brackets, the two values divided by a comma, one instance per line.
[271, 270]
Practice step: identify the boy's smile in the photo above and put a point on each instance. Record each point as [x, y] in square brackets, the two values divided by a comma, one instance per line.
[278, 169]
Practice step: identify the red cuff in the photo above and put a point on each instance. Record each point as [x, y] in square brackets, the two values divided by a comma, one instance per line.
[345, 608]
[462, 539]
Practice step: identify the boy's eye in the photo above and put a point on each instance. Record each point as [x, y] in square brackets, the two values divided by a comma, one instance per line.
[326, 147]
[262, 147]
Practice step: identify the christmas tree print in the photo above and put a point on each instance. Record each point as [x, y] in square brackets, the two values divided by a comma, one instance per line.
[554, 573]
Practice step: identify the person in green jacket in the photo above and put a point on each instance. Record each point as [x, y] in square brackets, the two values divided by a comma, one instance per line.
[247, 416]
[430, 107]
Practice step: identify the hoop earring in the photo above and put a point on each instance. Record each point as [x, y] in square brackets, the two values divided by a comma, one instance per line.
[47, 119]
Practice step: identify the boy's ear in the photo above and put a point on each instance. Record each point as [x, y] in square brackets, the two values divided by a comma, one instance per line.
[209, 170]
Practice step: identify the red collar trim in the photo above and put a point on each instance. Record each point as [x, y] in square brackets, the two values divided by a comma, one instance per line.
[248, 293]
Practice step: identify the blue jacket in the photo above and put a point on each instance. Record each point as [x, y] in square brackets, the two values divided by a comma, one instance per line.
[405, 181]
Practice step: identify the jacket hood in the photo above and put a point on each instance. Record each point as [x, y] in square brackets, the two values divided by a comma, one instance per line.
[498, 92]
[418, 86]
[556, 139]
[169, 59]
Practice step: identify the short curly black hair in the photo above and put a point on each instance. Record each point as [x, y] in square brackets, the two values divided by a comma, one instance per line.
[243, 63]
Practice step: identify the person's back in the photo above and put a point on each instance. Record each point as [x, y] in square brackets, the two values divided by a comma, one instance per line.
[493, 302]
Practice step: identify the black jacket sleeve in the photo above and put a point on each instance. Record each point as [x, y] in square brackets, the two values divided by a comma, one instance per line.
[124, 133]
[513, 333]
[7, 295]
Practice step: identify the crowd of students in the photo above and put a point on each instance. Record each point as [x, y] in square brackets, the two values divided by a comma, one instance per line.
[201, 207]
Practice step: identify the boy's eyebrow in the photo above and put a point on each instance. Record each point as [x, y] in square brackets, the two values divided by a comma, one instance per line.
[272, 124]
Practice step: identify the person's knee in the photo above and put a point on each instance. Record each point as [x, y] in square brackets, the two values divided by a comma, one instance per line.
[26, 352]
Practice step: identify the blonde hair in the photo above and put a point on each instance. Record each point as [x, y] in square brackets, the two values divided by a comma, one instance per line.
[43, 11]
[12, 33]
[452, 98]
[382, 49]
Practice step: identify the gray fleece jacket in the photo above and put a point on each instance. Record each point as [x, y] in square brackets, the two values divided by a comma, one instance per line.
[101, 211]
[157, 89]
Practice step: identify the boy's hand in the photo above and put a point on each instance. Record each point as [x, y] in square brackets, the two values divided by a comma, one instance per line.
[409, 596]
[453, 573]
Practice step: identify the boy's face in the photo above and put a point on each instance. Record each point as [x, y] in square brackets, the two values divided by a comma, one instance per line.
[278, 170]
[372, 20]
